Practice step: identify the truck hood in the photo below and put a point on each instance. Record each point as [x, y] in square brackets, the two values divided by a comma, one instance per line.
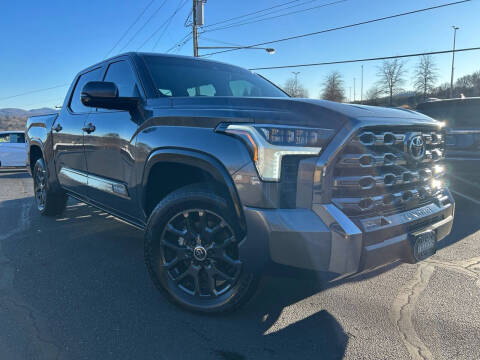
[289, 111]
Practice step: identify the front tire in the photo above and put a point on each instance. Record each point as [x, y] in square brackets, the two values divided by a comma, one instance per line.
[48, 201]
[191, 252]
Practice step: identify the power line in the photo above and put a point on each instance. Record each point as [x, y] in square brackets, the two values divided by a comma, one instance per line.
[181, 42]
[276, 16]
[144, 24]
[180, 46]
[344, 26]
[366, 59]
[130, 27]
[169, 22]
[165, 23]
[219, 41]
[252, 13]
[33, 92]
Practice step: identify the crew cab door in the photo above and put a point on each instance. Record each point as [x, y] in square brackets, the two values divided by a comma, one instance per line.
[109, 150]
[67, 135]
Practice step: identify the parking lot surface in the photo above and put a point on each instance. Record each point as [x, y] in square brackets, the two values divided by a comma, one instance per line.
[75, 287]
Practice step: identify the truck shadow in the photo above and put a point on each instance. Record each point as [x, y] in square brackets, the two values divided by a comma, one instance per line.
[84, 272]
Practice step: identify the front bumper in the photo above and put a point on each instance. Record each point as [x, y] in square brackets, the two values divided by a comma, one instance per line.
[325, 239]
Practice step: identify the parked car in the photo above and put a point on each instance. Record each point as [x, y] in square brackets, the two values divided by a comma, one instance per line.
[13, 149]
[462, 126]
[227, 174]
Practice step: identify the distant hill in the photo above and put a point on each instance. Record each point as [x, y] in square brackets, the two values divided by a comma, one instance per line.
[15, 119]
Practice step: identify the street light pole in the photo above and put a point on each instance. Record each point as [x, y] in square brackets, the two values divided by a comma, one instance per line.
[361, 89]
[354, 88]
[455, 28]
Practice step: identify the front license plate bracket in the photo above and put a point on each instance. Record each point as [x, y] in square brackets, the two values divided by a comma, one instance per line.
[424, 245]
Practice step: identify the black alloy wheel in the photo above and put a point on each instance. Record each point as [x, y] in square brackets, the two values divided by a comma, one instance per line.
[192, 252]
[48, 201]
[199, 252]
[40, 187]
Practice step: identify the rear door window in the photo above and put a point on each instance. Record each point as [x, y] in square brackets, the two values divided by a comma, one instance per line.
[75, 103]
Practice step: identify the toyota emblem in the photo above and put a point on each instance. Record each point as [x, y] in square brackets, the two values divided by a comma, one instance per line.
[416, 147]
[200, 253]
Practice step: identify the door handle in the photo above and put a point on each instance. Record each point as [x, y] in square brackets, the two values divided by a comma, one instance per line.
[89, 128]
[58, 128]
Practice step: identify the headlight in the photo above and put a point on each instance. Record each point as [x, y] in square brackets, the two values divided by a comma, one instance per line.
[270, 143]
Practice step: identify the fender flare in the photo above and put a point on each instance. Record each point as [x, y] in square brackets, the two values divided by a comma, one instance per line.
[38, 143]
[199, 160]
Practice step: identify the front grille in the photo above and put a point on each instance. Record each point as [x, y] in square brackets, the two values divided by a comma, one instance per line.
[380, 172]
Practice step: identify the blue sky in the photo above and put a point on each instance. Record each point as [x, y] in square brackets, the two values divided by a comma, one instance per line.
[45, 43]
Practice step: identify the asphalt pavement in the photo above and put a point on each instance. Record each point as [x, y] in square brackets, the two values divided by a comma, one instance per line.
[75, 287]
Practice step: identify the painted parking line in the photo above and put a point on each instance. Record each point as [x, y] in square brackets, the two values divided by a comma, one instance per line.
[471, 183]
[465, 196]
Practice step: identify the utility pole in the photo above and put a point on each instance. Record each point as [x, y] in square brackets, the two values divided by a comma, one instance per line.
[197, 15]
[455, 28]
[361, 89]
[350, 97]
[295, 84]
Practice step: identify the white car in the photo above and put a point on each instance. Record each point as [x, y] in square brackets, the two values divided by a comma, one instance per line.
[13, 149]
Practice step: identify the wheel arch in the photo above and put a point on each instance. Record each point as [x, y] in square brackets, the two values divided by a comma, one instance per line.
[35, 152]
[196, 160]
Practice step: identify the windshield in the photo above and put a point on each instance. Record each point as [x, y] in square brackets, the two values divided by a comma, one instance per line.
[179, 77]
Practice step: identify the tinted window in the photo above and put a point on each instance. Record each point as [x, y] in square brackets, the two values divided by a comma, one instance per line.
[122, 75]
[17, 138]
[242, 88]
[203, 90]
[4, 138]
[75, 103]
[174, 76]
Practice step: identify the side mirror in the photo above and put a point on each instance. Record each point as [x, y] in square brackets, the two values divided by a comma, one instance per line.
[102, 94]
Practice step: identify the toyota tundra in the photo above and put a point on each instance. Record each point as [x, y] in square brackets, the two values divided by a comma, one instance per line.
[226, 174]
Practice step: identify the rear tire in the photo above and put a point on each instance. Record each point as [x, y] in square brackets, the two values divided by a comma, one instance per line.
[48, 201]
[191, 252]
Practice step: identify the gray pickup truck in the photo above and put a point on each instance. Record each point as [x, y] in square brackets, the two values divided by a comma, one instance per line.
[227, 174]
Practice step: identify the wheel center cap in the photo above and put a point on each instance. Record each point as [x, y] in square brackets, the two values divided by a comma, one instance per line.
[200, 253]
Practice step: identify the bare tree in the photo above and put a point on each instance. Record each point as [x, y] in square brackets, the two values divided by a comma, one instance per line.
[295, 89]
[425, 76]
[391, 77]
[333, 87]
[373, 94]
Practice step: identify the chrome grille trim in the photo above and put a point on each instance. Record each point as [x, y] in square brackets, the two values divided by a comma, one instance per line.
[369, 138]
[376, 171]
[380, 202]
[388, 179]
[386, 159]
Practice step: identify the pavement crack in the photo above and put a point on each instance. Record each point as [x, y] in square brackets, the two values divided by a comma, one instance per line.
[33, 320]
[403, 306]
[403, 309]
